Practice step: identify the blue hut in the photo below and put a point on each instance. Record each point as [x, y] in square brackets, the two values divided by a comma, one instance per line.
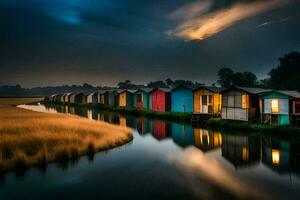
[182, 135]
[182, 99]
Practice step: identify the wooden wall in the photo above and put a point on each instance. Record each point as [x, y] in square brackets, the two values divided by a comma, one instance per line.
[217, 100]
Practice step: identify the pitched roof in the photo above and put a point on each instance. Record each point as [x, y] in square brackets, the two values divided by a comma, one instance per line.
[146, 90]
[182, 86]
[290, 93]
[248, 90]
[125, 90]
[211, 88]
[162, 89]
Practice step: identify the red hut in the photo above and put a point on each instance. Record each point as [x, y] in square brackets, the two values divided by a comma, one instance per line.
[161, 99]
[160, 129]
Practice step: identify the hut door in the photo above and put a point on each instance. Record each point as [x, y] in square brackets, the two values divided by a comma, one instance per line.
[204, 103]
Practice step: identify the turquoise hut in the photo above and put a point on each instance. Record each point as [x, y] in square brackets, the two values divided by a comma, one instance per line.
[182, 135]
[182, 99]
[141, 98]
[277, 106]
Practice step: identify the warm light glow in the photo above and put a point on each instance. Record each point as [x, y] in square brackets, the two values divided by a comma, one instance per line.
[245, 101]
[274, 106]
[275, 157]
[245, 154]
[217, 137]
[197, 23]
[204, 133]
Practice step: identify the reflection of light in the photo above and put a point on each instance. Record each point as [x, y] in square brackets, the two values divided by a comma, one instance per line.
[90, 114]
[217, 137]
[275, 157]
[204, 133]
[122, 121]
[245, 153]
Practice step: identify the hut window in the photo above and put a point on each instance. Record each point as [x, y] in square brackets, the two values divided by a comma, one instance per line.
[245, 101]
[275, 157]
[274, 106]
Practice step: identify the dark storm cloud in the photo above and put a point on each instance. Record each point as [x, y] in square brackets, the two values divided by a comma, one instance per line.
[54, 42]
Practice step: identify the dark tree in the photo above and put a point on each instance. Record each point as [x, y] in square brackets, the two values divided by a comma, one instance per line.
[287, 74]
[245, 79]
[169, 82]
[156, 84]
[225, 77]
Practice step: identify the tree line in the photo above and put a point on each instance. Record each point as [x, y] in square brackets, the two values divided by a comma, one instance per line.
[286, 76]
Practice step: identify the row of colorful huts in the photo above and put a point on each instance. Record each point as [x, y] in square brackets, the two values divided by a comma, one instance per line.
[235, 103]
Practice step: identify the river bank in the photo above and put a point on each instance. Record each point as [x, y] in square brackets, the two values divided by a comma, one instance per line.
[34, 138]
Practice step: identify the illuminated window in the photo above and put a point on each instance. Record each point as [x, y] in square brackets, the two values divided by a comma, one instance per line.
[245, 101]
[274, 106]
[275, 157]
[245, 153]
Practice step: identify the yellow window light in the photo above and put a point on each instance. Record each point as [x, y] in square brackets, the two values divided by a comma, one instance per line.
[274, 106]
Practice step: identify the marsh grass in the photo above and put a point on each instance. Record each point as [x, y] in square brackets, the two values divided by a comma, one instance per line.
[32, 138]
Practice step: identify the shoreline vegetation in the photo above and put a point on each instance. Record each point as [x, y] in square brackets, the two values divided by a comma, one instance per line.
[215, 123]
[29, 138]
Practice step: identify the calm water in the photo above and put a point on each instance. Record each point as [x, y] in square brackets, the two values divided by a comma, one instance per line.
[166, 160]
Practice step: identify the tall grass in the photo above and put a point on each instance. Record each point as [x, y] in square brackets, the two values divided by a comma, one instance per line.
[31, 138]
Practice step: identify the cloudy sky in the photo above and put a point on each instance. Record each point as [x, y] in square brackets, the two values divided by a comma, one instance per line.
[55, 42]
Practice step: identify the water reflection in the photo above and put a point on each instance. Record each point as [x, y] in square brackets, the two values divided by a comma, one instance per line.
[241, 150]
[194, 147]
[281, 156]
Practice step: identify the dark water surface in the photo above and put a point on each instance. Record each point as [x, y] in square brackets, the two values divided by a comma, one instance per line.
[166, 160]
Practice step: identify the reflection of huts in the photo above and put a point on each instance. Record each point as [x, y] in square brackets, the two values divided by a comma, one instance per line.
[206, 139]
[208, 100]
[182, 134]
[89, 113]
[122, 121]
[278, 106]
[182, 99]
[142, 125]
[160, 129]
[161, 99]
[80, 99]
[91, 98]
[241, 103]
[276, 154]
[241, 150]
[125, 98]
[141, 98]
[71, 110]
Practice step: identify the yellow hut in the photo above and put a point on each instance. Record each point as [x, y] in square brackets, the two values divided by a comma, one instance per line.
[207, 100]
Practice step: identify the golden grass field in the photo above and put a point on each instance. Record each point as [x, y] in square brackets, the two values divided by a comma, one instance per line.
[30, 138]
